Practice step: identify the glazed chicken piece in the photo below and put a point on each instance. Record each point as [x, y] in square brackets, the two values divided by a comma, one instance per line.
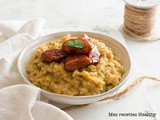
[84, 37]
[52, 55]
[78, 52]
[94, 54]
[77, 61]
[80, 45]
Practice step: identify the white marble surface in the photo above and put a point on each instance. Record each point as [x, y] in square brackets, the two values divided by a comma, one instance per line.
[98, 15]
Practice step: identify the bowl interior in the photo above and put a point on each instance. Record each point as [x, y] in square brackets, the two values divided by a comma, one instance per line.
[119, 50]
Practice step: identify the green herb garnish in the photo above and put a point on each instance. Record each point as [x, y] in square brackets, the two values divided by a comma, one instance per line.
[70, 43]
[78, 44]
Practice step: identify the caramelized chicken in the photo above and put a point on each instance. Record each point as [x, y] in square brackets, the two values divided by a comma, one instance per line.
[73, 48]
[94, 54]
[52, 55]
[77, 61]
[84, 37]
[78, 52]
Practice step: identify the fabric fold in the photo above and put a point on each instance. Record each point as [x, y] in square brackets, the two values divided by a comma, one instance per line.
[18, 101]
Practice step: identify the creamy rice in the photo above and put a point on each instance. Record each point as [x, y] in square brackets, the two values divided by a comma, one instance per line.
[90, 80]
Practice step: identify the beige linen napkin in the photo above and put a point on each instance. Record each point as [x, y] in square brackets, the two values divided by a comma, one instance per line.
[19, 101]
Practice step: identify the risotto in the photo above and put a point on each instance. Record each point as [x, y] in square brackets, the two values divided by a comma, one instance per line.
[93, 78]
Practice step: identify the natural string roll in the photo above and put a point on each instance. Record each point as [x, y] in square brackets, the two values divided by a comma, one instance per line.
[140, 22]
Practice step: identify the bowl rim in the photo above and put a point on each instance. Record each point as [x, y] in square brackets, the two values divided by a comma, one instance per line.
[78, 97]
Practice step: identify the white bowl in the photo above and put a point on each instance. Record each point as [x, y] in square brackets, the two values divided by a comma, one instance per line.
[119, 50]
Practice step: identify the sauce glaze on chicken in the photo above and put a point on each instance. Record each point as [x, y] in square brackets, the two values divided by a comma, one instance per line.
[78, 53]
